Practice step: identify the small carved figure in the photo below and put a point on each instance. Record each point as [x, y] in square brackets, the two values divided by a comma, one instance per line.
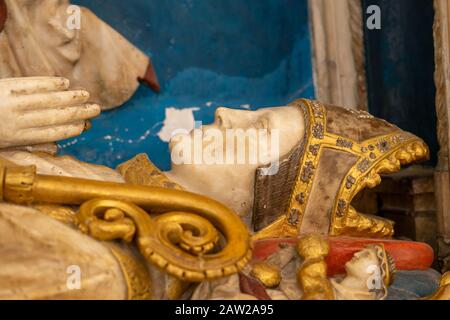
[324, 174]
[302, 272]
[121, 270]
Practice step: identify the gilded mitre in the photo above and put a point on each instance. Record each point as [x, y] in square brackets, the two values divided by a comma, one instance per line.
[343, 152]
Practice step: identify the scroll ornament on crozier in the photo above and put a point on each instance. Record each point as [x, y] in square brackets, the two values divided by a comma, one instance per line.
[181, 237]
[343, 152]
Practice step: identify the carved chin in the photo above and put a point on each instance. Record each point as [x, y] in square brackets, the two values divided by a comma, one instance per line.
[349, 266]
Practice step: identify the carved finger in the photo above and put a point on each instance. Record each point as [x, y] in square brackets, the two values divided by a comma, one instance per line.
[52, 117]
[51, 100]
[31, 85]
[52, 134]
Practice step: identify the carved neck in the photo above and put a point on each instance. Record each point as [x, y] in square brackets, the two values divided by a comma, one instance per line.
[236, 194]
[351, 289]
[354, 283]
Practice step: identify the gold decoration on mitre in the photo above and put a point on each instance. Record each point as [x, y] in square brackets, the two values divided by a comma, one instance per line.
[180, 238]
[343, 152]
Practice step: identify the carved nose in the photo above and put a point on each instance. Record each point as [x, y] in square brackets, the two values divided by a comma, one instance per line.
[221, 117]
[3, 14]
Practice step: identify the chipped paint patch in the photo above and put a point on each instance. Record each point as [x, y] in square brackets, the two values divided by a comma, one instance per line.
[177, 119]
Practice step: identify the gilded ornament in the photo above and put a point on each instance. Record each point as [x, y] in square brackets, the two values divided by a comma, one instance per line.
[378, 155]
[383, 146]
[63, 214]
[443, 293]
[350, 182]
[269, 275]
[294, 216]
[344, 143]
[318, 131]
[178, 238]
[312, 274]
[308, 172]
[314, 149]
[300, 198]
[364, 165]
[135, 272]
[341, 208]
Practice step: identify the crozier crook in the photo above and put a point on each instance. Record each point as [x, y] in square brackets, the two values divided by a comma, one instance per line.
[181, 240]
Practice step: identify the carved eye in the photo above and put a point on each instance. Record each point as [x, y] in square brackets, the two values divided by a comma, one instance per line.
[219, 121]
[222, 118]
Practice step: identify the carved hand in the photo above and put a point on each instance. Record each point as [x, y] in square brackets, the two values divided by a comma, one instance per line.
[38, 110]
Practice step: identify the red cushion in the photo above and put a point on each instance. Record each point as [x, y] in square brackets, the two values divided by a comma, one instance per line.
[408, 255]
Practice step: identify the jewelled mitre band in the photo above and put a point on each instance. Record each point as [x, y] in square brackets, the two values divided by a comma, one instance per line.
[343, 152]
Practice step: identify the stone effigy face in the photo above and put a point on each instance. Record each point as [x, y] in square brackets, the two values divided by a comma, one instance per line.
[306, 130]
[337, 256]
[325, 156]
[151, 237]
[366, 147]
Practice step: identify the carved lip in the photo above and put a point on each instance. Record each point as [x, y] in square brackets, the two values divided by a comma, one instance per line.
[3, 14]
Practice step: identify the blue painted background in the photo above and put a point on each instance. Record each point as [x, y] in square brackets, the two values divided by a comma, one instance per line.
[206, 54]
